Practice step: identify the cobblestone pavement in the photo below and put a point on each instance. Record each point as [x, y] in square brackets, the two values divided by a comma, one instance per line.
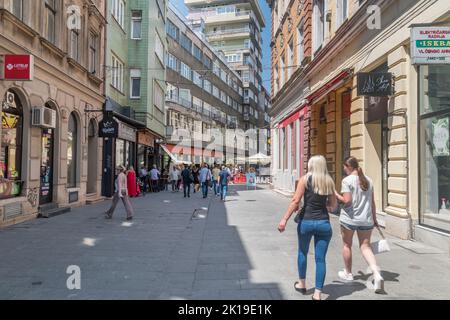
[196, 248]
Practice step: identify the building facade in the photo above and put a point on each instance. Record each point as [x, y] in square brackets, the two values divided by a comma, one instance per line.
[234, 29]
[50, 151]
[135, 85]
[204, 96]
[394, 135]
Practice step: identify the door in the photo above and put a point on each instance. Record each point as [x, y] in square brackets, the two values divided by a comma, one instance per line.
[46, 189]
[92, 159]
[345, 134]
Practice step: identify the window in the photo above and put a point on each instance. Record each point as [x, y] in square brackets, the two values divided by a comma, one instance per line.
[159, 48]
[74, 45]
[223, 75]
[185, 42]
[118, 12]
[172, 62]
[173, 31]
[158, 97]
[341, 12]
[50, 20]
[172, 92]
[135, 83]
[318, 24]
[197, 53]
[434, 145]
[216, 69]
[275, 79]
[136, 23]
[207, 85]
[282, 72]
[207, 61]
[290, 56]
[245, 76]
[186, 71]
[93, 57]
[300, 48]
[223, 97]
[197, 79]
[72, 132]
[185, 97]
[18, 9]
[117, 73]
[11, 149]
[216, 92]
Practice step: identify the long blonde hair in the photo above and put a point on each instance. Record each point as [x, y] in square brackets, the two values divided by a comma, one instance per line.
[322, 183]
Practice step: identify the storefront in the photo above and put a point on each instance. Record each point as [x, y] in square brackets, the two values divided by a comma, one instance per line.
[145, 148]
[125, 146]
[434, 114]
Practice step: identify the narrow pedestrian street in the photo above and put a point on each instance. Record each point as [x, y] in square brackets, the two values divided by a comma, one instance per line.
[194, 248]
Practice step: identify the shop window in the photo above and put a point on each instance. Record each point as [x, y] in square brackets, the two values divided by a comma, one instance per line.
[11, 147]
[72, 141]
[435, 146]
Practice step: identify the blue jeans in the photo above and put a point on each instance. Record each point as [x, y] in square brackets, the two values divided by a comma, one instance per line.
[322, 232]
[223, 192]
[215, 187]
[205, 189]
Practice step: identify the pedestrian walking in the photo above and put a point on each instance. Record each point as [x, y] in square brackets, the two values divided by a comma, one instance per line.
[317, 189]
[154, 178]
[187, 178]
[215, 180]
[358, 215]
[205, 177]
[195, 174]
[120, 192]
[224, 180]
[174, 178]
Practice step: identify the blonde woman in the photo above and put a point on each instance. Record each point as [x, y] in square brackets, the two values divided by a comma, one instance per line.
[358, 215]
[317, 189]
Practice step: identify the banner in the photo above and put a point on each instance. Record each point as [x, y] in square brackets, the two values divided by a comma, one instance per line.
[430, 45]
[440, 133]
[251, 179]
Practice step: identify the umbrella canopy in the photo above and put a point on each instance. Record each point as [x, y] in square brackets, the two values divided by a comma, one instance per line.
[259, 157]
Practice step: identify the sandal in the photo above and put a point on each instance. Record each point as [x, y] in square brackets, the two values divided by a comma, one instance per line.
[301, 290]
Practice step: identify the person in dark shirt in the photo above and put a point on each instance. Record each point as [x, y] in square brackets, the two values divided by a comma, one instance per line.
[186, 176]
[224, 179]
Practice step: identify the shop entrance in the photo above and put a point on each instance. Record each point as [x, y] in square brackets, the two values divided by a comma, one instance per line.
[46, 188]
[322, 131]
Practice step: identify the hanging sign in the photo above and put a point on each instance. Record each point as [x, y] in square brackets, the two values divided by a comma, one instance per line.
[430, 45]
[18, 67]
[374, 84]
[108, 128]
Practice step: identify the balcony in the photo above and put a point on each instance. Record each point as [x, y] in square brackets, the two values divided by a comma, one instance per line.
[228, 34]
[241, 16]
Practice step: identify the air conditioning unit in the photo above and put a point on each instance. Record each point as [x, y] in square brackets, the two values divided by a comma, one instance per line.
[10, 98]
[43, 117]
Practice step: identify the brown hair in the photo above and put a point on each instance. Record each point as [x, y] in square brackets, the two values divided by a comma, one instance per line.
[352, 162]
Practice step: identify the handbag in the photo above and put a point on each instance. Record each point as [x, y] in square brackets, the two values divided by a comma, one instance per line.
[381, 245]
[300, 214]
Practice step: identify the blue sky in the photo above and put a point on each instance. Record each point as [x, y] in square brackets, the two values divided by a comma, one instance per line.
[266, 37]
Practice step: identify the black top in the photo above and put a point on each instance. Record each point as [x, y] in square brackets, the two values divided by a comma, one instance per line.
[186, 175]
[315, 205]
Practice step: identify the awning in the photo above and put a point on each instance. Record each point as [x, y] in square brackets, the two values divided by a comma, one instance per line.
[330, 86]
[293, 117]
[166, 150]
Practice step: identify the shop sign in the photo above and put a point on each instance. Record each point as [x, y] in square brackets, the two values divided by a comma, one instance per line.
[374, 84]
[430, 45]
[145, 139]
[441, 146]
[108, 128]
[126, 132]
[18, 67]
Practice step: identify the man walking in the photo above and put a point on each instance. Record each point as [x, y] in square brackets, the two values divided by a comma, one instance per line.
[154, 177]
[187, 180]
[205, 178]
[224, 179]
[120, 192]
[215, 180]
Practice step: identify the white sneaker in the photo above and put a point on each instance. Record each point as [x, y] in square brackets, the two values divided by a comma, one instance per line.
[343, 275]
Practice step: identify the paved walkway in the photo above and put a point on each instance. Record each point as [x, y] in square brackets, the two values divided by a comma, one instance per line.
[195, 248]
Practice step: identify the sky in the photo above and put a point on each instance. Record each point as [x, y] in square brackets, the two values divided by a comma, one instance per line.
[267, 35]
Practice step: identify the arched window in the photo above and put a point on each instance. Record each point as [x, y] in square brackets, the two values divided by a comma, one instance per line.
[11, 147]
[72, 145]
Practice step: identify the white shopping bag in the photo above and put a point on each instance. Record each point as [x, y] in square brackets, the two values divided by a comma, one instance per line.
[381, 245]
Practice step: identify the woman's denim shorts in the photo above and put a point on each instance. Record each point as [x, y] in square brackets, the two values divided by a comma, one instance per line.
[356, 228]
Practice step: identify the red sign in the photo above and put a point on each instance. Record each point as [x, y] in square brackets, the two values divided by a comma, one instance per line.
[18, 67]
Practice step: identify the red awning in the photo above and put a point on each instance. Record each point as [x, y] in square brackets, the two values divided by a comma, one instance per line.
[329, 86]
[294, 116]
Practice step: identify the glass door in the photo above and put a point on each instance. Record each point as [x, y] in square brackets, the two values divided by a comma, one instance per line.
[46, 190]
